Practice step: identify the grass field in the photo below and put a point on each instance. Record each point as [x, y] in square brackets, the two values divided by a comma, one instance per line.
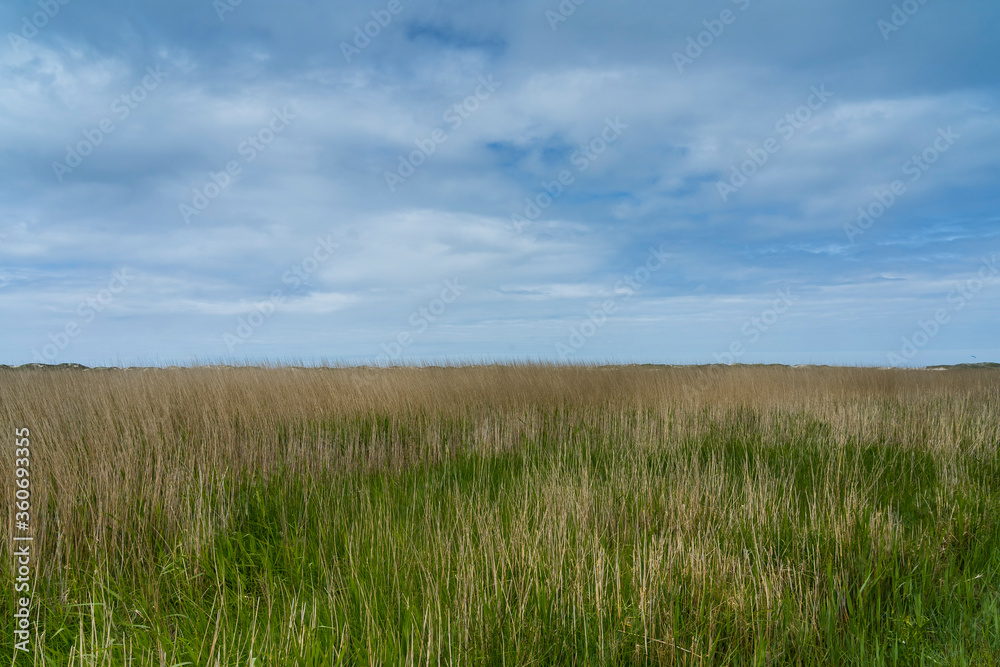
[507, 515]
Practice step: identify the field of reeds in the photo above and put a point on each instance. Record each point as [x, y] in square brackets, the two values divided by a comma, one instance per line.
[506, 515]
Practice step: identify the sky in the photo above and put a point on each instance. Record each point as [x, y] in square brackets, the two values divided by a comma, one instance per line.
[736, 181]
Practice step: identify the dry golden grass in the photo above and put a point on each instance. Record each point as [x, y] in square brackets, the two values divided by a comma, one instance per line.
[510, 513]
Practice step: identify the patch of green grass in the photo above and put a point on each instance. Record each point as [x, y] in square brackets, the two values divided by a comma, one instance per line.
[739, 534]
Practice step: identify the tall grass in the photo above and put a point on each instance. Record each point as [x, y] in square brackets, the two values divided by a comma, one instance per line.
[508, 515]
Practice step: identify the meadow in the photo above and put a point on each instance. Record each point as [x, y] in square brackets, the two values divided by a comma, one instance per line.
[506, 515]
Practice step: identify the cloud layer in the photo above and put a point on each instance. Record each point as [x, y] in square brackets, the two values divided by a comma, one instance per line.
[300, 181]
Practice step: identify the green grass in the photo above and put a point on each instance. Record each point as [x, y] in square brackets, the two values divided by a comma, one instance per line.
[745, 535]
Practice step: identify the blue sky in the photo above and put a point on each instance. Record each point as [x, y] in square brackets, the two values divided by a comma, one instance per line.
[740, 180]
